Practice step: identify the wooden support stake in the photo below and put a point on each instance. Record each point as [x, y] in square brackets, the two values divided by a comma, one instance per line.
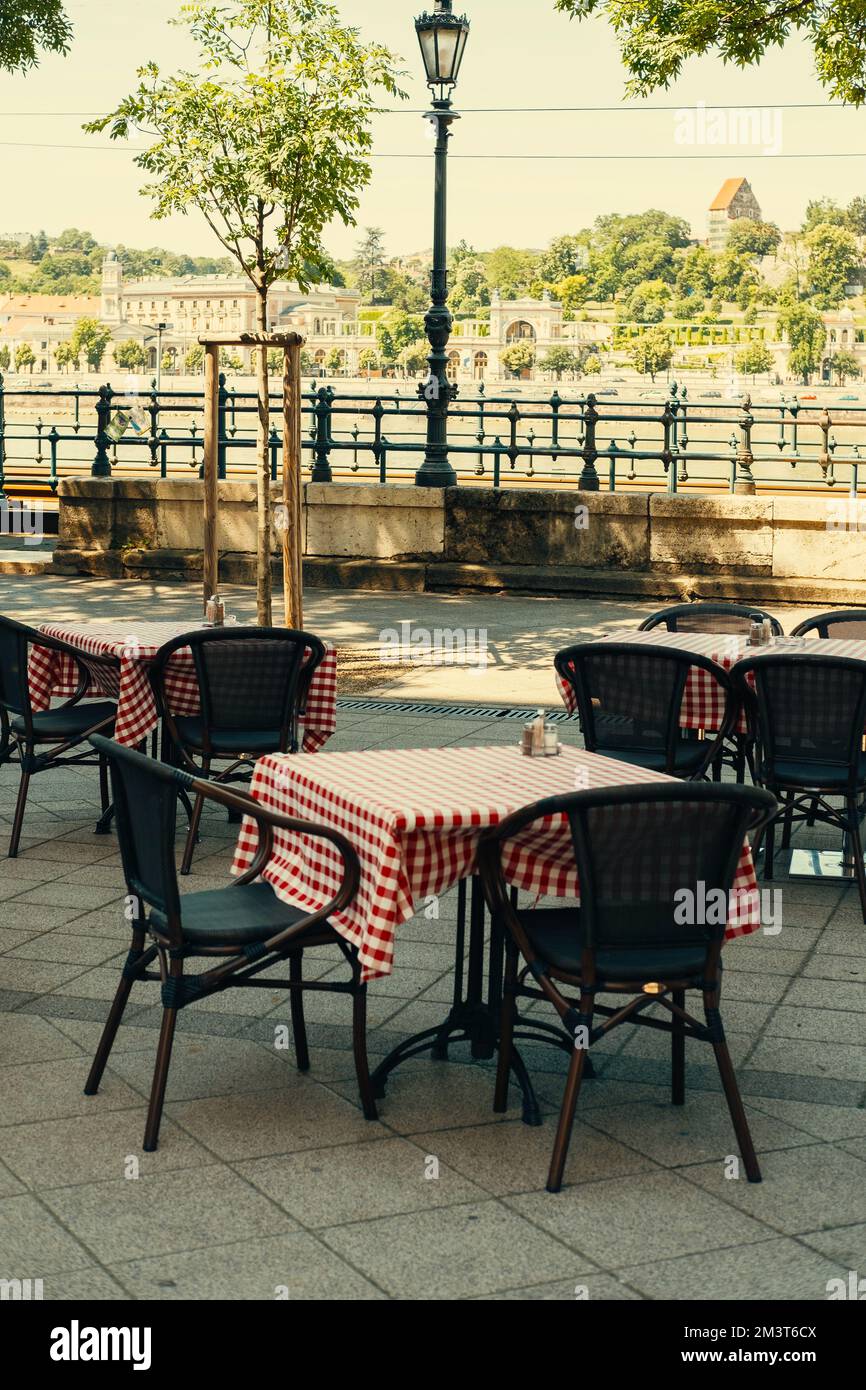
[293, 534]
[211, 454]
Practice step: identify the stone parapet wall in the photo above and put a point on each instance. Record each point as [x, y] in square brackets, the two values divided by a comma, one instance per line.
[481, 536]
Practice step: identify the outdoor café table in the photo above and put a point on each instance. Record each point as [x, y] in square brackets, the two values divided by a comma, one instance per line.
[415, 817]
[135, 645]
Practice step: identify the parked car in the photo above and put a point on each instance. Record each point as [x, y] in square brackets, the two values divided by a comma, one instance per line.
[608, 391]
[849, 398]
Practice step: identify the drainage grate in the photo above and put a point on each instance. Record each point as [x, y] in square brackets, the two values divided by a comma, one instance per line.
[444, 711]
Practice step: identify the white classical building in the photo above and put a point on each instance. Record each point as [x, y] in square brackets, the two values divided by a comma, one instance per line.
[327, 317]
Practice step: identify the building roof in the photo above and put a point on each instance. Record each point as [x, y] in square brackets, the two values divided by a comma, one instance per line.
[67, 305]
[726, 195]
[23, 327]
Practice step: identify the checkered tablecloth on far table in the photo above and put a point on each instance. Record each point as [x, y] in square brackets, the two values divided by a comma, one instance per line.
[135, 645]
[703, 704]
[414, 817]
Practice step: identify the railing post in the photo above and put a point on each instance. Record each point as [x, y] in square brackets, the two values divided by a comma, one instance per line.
[2, 439]
[824, 458]
[221, 427]
[321, 465]
[745, 483]
[588, 481]
[53, 437]
[101, 464]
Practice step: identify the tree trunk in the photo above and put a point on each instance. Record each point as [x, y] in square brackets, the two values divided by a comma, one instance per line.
[263, 472]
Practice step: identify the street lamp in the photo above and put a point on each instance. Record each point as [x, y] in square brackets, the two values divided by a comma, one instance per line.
[158, 329]
[442, 36]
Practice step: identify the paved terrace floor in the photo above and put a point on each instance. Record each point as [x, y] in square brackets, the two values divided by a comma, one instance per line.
[265, 1178]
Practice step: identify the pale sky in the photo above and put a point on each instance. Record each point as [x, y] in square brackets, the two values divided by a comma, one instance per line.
[521, 53]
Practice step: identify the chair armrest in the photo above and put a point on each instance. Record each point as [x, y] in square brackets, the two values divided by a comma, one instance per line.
[268, 821]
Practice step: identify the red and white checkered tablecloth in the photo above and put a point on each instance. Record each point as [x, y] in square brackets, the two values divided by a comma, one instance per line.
[414, 816]
[135, 645]
[703, 704]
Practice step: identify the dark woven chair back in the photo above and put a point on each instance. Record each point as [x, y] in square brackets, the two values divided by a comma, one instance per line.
[708, 617]
[14, 690]
[248, 685]
[629, 695]
[145, 800]
[808, 709]
[655, 863]
[846, 624]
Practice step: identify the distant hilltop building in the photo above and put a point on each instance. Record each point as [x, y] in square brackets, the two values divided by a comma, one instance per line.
[733, 201]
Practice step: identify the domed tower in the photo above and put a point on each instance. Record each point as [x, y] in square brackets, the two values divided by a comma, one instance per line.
[112, 289]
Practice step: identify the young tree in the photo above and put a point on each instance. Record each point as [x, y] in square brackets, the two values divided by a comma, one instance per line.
[652, 353]
[518, 358]
[413, 359]
[65, 356]
[368, 361]
[572, 292]
[5, 358]
[845, 365]
[806, 337]
[26, 26]
[398, 330]
[89, 340]
[370, 261]
[335, 361]
[754, 360]
[24, 357]
[131, 355]
[657, 37]
[558, 361]
[592, 365]
[194, 359]
[267, 137]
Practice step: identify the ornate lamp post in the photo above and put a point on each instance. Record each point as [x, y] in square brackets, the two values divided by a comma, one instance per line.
[443, 37]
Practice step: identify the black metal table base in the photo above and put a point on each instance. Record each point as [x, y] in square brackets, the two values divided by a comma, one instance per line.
[474, 1017]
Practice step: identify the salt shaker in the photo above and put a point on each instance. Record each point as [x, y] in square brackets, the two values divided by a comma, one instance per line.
[756, 630]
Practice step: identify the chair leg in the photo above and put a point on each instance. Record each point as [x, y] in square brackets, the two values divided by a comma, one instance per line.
[296, 1004]
[160, 1076]
[103, 783]
[735, 1103]
[788, 822]
[769, 849]
[109, 1033]
[566, 1119]
[857, 849]
[18, 822]
[506, 1028]
[678, 1051]
[192, 835]
[359, 1047]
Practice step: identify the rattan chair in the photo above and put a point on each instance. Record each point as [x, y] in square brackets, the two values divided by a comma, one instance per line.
[59, 731]
[709, 617]
[252, 686]
[848, 624]
[808, 714]
[245, 928]
[629, 699]
[636, 848]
